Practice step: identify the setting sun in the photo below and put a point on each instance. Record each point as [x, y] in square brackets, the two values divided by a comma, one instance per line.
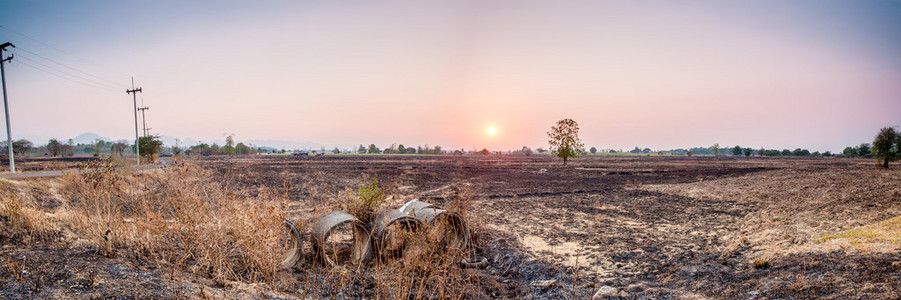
[492, 131]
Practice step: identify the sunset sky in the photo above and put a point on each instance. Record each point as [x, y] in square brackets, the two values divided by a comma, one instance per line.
[817, 74]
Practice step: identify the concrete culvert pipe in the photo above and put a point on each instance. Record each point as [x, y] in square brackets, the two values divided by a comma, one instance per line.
[391, 229]
[414, 205]
[350, 240]
[293, 245]
[446, 228]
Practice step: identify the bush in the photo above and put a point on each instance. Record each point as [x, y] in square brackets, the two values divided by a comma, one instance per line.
[369, 199]
[149, 146]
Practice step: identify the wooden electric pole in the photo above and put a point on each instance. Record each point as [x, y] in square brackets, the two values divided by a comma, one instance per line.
[133, 91]
[9, 135]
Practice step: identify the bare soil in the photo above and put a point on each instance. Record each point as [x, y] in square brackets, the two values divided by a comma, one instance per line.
[653, 227]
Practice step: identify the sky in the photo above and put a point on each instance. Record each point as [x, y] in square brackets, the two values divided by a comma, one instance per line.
[815, 74]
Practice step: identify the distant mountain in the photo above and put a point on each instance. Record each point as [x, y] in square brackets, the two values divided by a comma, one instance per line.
[281, 144]
[182, 142]
[88, 138]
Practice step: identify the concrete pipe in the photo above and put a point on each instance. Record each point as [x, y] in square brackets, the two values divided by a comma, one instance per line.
[357, 253]
[414, 205]
[292, 255]
[389, 230]
[446, 228]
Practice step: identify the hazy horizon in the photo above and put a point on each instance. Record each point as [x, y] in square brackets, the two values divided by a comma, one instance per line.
[819, 75]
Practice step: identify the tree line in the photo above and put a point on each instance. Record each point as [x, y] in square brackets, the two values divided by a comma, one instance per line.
[399, 149]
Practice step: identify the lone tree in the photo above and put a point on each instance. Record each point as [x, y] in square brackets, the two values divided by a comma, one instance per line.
[564, 139]
[887, 146]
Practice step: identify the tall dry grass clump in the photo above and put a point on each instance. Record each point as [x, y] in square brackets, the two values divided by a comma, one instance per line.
[179, 217]
[22, 220]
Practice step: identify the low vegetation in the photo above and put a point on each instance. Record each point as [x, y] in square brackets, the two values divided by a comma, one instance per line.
[173, 216]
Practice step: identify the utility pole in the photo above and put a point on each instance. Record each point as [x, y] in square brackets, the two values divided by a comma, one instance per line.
[9, 135]
[143, 117]
[133, 91]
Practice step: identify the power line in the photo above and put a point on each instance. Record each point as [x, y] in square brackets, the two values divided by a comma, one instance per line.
[86, 80]
[113, 83]
[67, 78]
[61, 50]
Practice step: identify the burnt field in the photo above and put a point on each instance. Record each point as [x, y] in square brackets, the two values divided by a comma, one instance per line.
[641, 227]
[650, 227]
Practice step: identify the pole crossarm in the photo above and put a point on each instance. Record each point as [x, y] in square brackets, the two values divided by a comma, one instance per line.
[133, 91]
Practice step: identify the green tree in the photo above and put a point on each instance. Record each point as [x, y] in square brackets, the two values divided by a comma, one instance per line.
[361, 150]
[786, 152]
[564, 140]
[229, 147]
[373, 149]
[864, 150]
[149, 146]
[736, 151]
[771, 152]
[53, 146]
[401, 149]
[97, 147]
[336, 151]
[22, 146]
[593, 150]
[67, 150]
[850, 151]
[715, 149]
[747, 151]
[242, 149]
[801, 152]
[887, 146]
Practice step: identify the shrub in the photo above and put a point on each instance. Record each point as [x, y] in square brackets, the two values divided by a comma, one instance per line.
[368, 200]
[761, 264]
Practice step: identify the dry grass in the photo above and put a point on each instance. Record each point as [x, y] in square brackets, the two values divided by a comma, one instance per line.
[174, 216]
[180, 219]
[21, 217]
[862, 238]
